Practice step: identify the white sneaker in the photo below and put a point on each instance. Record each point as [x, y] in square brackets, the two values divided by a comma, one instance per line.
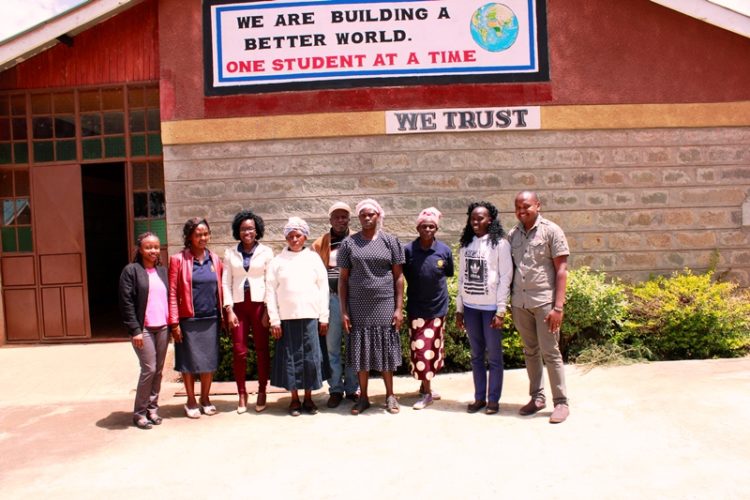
[435, 396]
[424, 402]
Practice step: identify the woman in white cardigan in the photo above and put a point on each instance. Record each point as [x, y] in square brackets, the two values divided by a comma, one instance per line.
[297, 298]
[244, 287]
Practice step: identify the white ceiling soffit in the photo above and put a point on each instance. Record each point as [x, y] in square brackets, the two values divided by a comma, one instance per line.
[63, 26]
[732, 15]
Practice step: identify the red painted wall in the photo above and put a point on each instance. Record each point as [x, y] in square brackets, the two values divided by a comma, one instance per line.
[122, 49]
[632, 51]
[635, 51]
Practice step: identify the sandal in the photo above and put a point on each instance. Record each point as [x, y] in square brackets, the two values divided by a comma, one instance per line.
[391, 404]
[294, 408]
[309, 407]
[142, 423]
[360, 406]
[154, 418]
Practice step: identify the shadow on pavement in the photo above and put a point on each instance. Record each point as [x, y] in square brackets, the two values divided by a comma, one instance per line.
[116, 421]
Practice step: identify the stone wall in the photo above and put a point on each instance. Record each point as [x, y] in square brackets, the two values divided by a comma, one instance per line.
[633, 202]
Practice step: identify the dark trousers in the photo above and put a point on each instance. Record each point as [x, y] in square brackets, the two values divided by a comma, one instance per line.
[250, 317]
[485, 339]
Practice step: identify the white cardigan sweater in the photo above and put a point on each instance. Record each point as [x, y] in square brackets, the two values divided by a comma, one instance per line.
[234, 275]
[297, 287]
[485, 273]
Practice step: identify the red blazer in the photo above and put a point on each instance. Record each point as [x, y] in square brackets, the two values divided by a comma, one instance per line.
[181, 285]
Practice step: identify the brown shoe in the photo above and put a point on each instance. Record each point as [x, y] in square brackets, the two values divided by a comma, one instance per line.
[492, 408]
[559, 414]
[475, 406]
[532, 407]
[335, 400]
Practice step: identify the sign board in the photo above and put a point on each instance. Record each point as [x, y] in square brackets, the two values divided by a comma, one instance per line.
[286, 45]
[463, 120]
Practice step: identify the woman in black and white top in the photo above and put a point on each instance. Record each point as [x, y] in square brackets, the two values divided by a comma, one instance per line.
[484, 277]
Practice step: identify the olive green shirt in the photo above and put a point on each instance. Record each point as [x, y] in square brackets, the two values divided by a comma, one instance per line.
[534, 270]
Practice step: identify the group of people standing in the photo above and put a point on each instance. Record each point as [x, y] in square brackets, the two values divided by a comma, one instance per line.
[348, 288]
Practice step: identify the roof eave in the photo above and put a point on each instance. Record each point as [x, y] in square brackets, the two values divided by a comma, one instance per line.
[45, 35]
[711, 13]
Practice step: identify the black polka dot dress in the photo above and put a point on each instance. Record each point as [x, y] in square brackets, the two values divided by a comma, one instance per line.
[373, 343]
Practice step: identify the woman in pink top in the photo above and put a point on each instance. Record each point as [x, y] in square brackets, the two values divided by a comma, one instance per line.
[144, 308]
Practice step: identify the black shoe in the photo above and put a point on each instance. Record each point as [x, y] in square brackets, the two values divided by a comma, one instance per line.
[294, 408]
[309, 407]
[475, 406]
[335, 399]
[360, 406]
[353, 397]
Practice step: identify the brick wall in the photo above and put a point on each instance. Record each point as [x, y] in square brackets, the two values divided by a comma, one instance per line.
[632, 202]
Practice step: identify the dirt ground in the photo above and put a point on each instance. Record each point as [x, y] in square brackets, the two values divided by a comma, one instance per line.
[669, 430]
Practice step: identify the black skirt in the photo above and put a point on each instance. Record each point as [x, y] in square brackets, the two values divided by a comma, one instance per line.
[199, 350]
[297, 359]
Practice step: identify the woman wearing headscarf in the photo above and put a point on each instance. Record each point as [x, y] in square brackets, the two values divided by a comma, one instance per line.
[244, 282]
[371, 292]
[428, 263]
[195, 297]
[297, 298]
[143, 304]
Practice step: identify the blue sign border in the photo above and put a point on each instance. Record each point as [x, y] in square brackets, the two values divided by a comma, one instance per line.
[384, 77]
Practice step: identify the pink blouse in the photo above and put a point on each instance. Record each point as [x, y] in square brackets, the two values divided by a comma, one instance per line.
[157, 305]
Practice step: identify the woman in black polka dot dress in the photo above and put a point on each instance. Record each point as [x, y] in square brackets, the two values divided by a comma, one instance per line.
[371, 293]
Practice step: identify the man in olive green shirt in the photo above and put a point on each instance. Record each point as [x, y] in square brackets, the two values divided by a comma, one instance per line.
[540, 260]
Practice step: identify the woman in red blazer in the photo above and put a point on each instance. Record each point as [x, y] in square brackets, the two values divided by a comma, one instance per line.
[195, 298]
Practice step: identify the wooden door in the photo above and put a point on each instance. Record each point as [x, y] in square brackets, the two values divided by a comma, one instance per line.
[60, 250]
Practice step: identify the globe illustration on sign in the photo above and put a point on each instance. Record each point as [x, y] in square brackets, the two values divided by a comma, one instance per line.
[494, 27]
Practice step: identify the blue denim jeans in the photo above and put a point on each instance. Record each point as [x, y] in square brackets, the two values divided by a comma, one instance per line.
[343, 379]
[485, 339]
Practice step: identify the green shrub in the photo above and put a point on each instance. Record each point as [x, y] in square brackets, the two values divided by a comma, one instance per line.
[595, 311]
[688, 316]
[225, 372]
[682, 317]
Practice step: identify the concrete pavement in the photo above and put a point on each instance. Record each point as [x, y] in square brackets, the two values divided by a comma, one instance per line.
[672, 430]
